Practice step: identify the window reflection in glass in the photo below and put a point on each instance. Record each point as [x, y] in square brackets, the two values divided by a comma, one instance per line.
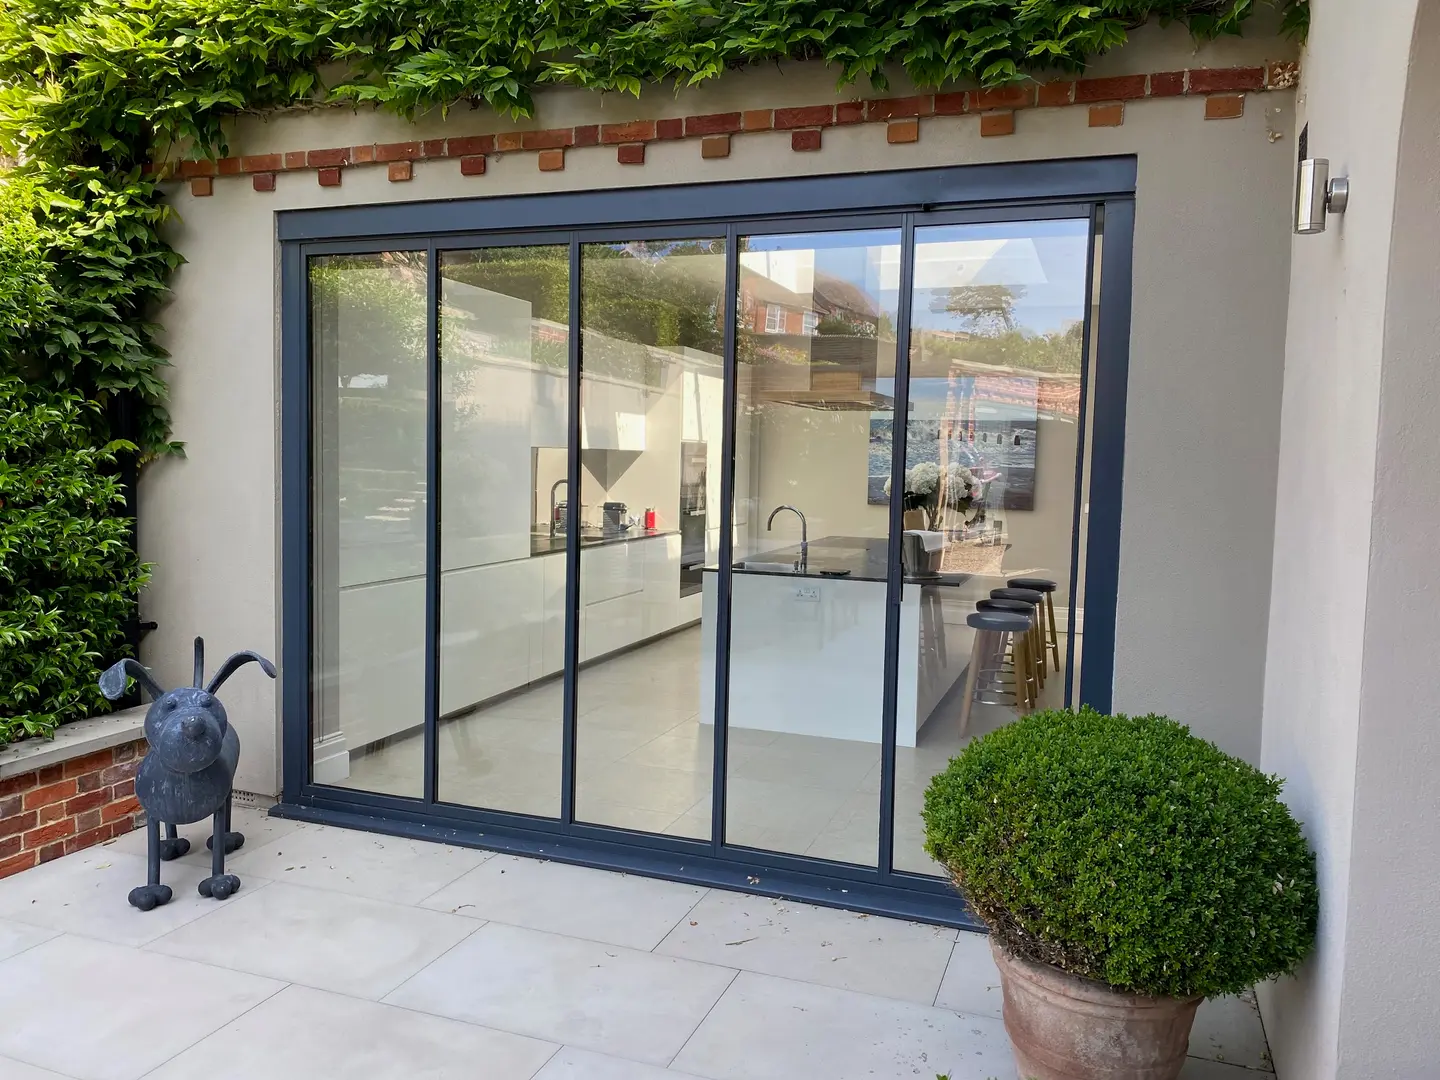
[504, 393]
[816, 351]
[996, 343]
[368, 332]
[648, 513]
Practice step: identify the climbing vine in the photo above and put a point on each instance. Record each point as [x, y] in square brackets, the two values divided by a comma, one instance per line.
[92, 90]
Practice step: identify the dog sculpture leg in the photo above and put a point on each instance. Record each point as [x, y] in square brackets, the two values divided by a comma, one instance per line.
[219, 884]
[153, 894]
[174, 845]
[234, 841]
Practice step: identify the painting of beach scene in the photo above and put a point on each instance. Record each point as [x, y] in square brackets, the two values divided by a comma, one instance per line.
[988, 423]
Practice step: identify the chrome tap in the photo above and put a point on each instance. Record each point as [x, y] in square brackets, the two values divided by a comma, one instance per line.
[804, 561]
[553, 488]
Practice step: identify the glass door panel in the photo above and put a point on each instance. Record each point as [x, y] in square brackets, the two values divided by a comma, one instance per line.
[504, 393]
[815, 350]
[992, 445]
[648, 514]
[370, 410]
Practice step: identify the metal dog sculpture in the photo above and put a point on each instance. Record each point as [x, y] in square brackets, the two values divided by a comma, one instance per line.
[188, 771]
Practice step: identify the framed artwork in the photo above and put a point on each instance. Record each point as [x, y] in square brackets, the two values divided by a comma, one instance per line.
[988, 423]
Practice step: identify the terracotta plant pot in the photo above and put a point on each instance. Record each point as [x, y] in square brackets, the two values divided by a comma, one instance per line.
[1063, 1027]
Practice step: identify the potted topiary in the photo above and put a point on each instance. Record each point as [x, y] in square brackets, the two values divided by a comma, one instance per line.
[1126, 870]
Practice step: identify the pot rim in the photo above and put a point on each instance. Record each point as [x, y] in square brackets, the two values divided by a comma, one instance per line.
[1080, 988]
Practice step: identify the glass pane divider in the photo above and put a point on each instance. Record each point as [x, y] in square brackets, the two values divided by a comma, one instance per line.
[895, 582]
[1097, 225]
[727, 540]
[569, 716]
[432, 523]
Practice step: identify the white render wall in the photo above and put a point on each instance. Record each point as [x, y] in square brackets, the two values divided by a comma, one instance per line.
[1211, 274]
[1350, 688]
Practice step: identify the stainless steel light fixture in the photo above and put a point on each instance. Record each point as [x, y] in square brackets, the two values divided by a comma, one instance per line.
[1316, 195]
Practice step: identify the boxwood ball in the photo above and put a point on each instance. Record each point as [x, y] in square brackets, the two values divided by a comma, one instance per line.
[1127, 850]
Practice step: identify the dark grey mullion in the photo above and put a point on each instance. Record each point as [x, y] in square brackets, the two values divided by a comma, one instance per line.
[572, 549]
[1107, 458]
[730, 402]
[297, 662]
[1097, 219]
[895, 578]
[432, 522]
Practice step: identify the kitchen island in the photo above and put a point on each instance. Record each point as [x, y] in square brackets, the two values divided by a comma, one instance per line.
[807, 648]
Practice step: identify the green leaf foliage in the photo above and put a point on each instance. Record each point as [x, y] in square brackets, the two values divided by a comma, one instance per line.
[1126, 850]
[68, 571]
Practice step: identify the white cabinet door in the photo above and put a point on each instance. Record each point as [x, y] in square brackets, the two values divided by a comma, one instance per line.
[611, 570]
[492, 621]
[612, 415]
[662, 584]
[381, 659]
[552, 639]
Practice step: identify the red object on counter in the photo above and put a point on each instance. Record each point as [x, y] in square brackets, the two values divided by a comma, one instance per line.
[649, 519]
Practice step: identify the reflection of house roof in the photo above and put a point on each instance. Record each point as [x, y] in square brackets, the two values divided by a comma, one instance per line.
[831, 295]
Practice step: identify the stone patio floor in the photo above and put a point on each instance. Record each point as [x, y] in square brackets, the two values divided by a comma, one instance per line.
[361, 956]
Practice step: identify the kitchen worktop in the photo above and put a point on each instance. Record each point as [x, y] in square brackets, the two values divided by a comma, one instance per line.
[545, 544]
[840, 558]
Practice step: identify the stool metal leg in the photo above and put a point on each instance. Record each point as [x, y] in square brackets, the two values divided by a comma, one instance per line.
[972, 677]
[1054, 630]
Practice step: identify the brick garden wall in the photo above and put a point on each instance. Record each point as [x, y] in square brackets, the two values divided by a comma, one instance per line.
[65, 807]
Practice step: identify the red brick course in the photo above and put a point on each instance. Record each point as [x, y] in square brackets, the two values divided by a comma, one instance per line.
[996, 106]
[71, 806]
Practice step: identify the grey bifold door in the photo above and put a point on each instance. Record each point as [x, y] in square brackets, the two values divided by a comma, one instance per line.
[680, 533]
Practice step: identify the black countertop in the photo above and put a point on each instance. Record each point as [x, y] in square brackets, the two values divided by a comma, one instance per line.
[543, 544]
[842, 558]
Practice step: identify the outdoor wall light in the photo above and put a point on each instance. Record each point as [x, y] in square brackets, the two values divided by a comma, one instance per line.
[1316, 195]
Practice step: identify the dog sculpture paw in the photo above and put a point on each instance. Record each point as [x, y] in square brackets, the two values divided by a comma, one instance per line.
[220, 886]
[148, 897]
[173, 849]
[234, 841]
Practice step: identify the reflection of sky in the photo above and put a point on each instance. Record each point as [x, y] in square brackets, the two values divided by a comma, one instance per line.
[1044, 260]
[865, 259]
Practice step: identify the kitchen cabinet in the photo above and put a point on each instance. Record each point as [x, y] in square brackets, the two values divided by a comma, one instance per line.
[612, 415]
[661, 600]
[492, 628]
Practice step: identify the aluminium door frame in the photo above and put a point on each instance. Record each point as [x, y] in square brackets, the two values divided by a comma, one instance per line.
[906, 199]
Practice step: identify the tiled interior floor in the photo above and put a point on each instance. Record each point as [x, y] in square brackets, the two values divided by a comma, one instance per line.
[368, 957]
[644, 761]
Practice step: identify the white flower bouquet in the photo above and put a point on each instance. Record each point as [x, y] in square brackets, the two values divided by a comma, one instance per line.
[934, 489]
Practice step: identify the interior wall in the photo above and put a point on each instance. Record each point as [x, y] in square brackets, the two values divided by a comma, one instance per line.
[1211, 254]
[1352, 86]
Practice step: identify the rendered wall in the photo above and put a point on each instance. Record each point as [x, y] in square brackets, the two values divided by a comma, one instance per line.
[1352, 636]
[1211, 264]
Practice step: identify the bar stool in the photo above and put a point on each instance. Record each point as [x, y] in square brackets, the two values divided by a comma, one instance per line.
[1020, 607]
[992, 629]
[1037, 638]
[1046, 586]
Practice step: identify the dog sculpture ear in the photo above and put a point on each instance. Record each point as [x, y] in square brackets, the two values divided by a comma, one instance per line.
[234, 662]
[199, 661]
[113, 679]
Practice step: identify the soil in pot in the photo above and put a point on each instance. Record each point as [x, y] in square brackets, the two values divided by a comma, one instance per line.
[1063, 1027]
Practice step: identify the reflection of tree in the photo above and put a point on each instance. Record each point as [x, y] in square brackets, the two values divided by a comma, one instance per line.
[979, 309]
[633, 297]
[1057, 352]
